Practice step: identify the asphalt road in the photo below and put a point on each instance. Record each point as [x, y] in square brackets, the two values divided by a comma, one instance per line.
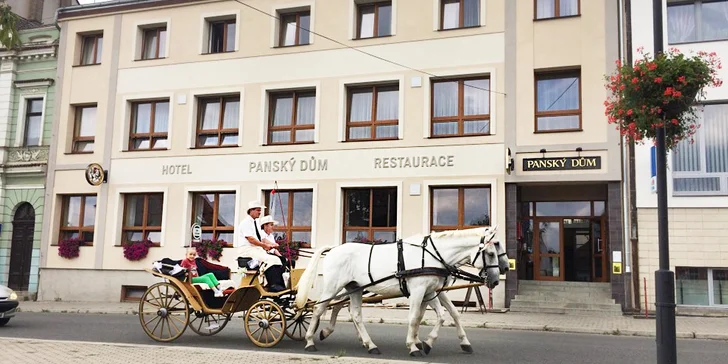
[491, 346]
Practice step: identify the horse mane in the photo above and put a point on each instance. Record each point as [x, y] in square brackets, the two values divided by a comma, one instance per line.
[459, 233]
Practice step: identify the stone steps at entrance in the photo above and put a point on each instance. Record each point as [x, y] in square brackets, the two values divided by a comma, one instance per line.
[565, 299]
[580, 298]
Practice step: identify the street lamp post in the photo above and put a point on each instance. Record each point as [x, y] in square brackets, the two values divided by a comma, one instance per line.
[664, 278]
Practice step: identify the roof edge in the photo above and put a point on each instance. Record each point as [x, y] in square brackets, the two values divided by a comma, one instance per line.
[114, 7]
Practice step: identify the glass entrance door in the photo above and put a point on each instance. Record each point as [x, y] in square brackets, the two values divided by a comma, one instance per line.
[549, 262]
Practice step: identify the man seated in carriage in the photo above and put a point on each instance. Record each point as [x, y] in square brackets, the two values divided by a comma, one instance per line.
[252, 245]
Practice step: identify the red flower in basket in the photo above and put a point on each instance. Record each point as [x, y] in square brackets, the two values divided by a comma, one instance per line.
[69, 248]
[136, 250]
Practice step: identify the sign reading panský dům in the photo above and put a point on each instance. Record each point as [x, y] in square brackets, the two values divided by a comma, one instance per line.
[561, 164]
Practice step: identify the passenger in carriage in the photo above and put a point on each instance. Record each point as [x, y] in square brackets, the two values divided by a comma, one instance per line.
[209, 279]
[252, 245]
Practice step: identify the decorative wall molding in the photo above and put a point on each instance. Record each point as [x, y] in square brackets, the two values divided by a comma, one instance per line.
[28, 154]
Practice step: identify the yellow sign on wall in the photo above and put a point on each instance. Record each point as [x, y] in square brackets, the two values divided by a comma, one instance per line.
[617, 268]
[511, 264]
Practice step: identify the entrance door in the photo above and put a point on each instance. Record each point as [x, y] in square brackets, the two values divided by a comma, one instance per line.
[21, 248]
[599, 250]
[548, 248]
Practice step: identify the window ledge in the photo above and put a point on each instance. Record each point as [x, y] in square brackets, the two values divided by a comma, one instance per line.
[293, 45]
[458, 136]
[149, 59]
[77, 153]
[86, 65]
[459, 28]
[556, 17]
[376, 37]
[558, 131]
[211, 53]
[698, 42]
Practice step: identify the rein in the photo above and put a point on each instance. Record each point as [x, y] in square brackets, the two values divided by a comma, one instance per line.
[402, 273]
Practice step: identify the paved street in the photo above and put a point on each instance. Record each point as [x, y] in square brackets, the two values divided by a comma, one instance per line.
[493, 346]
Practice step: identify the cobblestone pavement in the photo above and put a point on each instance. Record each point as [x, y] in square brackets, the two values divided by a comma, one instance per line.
[67, 352]
[715, 328]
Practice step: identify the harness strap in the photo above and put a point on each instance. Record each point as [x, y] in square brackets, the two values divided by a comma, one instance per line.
[401, 268]
[371, 250]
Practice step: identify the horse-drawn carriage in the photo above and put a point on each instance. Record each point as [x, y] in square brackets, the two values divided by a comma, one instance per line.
[419, 268]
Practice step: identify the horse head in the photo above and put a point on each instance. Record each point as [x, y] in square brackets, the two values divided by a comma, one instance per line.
[491, 258]
[481, 253]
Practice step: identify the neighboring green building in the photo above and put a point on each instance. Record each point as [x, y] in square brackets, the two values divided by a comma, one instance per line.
[27, 98]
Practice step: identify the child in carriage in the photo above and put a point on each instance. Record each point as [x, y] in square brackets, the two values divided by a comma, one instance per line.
[209, 278]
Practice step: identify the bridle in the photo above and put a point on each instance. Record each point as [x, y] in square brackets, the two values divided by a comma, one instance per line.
[481, 253]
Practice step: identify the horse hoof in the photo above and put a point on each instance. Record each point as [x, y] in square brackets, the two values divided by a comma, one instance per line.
[322, 337]
[416, 353]
[427, 348]
[375, 351]
[311, 348]
[467, 348]
[419, 346]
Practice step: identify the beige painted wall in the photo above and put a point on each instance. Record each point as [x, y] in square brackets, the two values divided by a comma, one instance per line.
[697, 239]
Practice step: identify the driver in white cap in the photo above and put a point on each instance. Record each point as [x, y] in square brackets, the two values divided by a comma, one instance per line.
[253, 246]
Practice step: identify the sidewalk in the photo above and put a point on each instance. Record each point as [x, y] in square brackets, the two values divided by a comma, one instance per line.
[713, 328]
[66, 352]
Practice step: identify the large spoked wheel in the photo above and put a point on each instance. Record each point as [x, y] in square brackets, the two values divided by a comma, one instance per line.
[208, 325]
[163, 312]
[265, 324]
[297, 323]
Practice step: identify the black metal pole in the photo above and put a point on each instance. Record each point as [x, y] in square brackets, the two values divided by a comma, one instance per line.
[664, 278]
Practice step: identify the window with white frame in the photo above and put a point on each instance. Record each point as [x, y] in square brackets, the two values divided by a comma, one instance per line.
[374, 19]
[701, 167]
[456, 14]
[33, 122]
[294, 27]
[700, 286]
[696, 20]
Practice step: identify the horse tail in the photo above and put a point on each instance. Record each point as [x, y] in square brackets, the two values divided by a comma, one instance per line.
[308, 277]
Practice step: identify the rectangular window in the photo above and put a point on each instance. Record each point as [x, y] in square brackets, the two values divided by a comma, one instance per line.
[698, 286]
[33, 122]
[373, 112]
[149, 124]
[558, 101]
[461, 107]
[548, 9]
[696, 21]
[92, 45]
[84, 131]
[222, 36]
[374, 20]
[218, 121]
[292, 117]
[701, 168]
[154, 43]
[293, 209]
[454, 208]
[215, 213]
[78, 217]
[294, 28]
[142, 217]
[370, 214]
[455, 14]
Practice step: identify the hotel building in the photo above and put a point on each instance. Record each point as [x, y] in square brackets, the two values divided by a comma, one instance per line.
[194, 108]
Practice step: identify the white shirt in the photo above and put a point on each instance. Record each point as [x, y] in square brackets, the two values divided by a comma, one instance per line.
[247, 228]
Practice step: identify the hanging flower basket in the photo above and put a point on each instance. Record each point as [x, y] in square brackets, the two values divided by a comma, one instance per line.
[660, 92]
[136, 250]
[210, 248]
[69, 248]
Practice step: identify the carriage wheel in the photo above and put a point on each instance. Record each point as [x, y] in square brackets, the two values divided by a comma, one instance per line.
[163, 312]
[297, 323]
[265, 323]
[208, 325]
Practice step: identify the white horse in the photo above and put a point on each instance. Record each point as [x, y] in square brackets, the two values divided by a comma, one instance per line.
[349, 266]
[443, 301]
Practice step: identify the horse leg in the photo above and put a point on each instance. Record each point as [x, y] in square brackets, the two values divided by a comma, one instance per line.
[450, 307]
[330, 291]
[356, 315]
[415, 317]
[430, 341]
[325, 332]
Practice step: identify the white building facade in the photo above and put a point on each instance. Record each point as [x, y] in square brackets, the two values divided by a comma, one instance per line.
[697, 183]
